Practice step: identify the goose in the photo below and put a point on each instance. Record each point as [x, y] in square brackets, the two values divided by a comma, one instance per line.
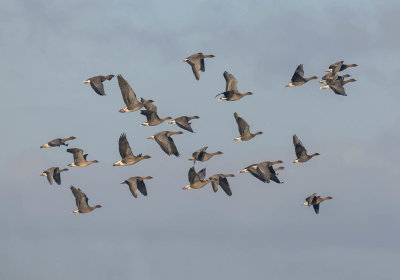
[329, 77]
[298, 77]
[57, 142]
[53, 173]
[136, 183]
[82, 202]
[196, 61]
[339, 66]
[129, 97]
[183, 122]
[126, 153]
[231, 92]
[336, 85]
[196, 179]
[301, 151]
[79, 158]
[151, 115]
[264, 171]
[223, 182]
[315, 201]
[97, 83]
[202, 155]
[165, 141]
[244, 129]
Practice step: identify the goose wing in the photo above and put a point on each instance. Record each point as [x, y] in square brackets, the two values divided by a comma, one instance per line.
[50, 173]
[193, 176]
[316, 208]
[166, 143]
[337, 87]
[124, 147]
[80, 199]
[78, 155]
[242, 125]
[57, 176]
[223, 182]
[97, 85]
[142, 187]
[183, 123]
[128, 95]
[299, 147]
[132, 183]
[231, 82]
[298, 74]
[310, 198]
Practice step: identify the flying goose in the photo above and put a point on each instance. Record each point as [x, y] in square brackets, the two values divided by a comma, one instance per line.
[339, 66]
[53, 173]
[136, 183]
[165, 141]
[329, 77]
[82, 202]
[196, 179]
[337, 85]
[298, 77]
[244, 129]
[79, 158]
[57, 142]
[315, 201]
[151, 115]
[231, 92]
[126, 153]
[129, 97]
[196, 61]
[223, 182]
[97, 83]
[202, 155]
[301, 151]
[183, 122]
[264, 171]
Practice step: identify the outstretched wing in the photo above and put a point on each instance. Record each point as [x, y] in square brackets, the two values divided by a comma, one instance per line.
[231, 82]
[142, 187]
[97, 85]
[298, 147]
[128, 95]
[223, 182]
[124, 147]
[298, 74]
[242, 125]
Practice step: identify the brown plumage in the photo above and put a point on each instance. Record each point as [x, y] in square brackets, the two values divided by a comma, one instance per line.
[57, 142]
[244, 129]
[264, 171]
[125, 151]
[315, 201]
[336, 85]
[152, 116]
[136, 183]
[53, 173]
[298, 77]
[97, 83]
[129, 97]
[222, 182]
[196, 179]
[301, 151]
[184, 122]
[81, 201]
[79, 158]
[196, 61]
[339, 66]
[165, 141]
[202, 155]
[231, 92]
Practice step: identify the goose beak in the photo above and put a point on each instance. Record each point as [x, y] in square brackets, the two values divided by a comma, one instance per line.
[123, 183]
[243, 171]
[86, 82]
[186, 188]
[184, 60]
[43, 174]
[151, 137]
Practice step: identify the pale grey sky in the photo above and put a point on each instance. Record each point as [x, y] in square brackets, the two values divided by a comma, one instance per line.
[261, 232]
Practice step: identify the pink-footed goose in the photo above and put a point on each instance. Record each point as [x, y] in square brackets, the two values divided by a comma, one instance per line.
[97, 83]
[196, 61]
[82, 202]
[125, 151]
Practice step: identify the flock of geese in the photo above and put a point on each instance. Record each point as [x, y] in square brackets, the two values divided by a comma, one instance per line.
[263, 171]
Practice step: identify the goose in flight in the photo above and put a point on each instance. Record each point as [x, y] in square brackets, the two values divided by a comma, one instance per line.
[315, 201]
[53, 173]
[196, 61]
[264, 171]
[222, 182]
[298, 77]
[231, 92]
[184, 122]
[165, 141]
[57, 142]
[202, 155]
[82, 202]
[244, 129]
[126, 153]
[339, 66]
[330, 77]
[152, 116]
[129, 97]
[79, 158]
[97, 83]
[301, 151]
[196, 179]
[136, 183]
[336, 85]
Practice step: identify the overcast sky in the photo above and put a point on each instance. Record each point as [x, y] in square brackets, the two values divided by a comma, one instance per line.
[262, 231]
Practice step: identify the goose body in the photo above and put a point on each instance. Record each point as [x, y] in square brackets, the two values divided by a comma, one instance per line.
[184, 122]
[57, 142]
[231, 92]
[244, 129]
[315, 201]
[137, 184]
[196, 61]
[97, 83]
[165, 141]
[264, 171]
[125, 151]
[298, 77]
[202, 155]
[53, 173]
[301, 151]
[79, 158]
[81, 201]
